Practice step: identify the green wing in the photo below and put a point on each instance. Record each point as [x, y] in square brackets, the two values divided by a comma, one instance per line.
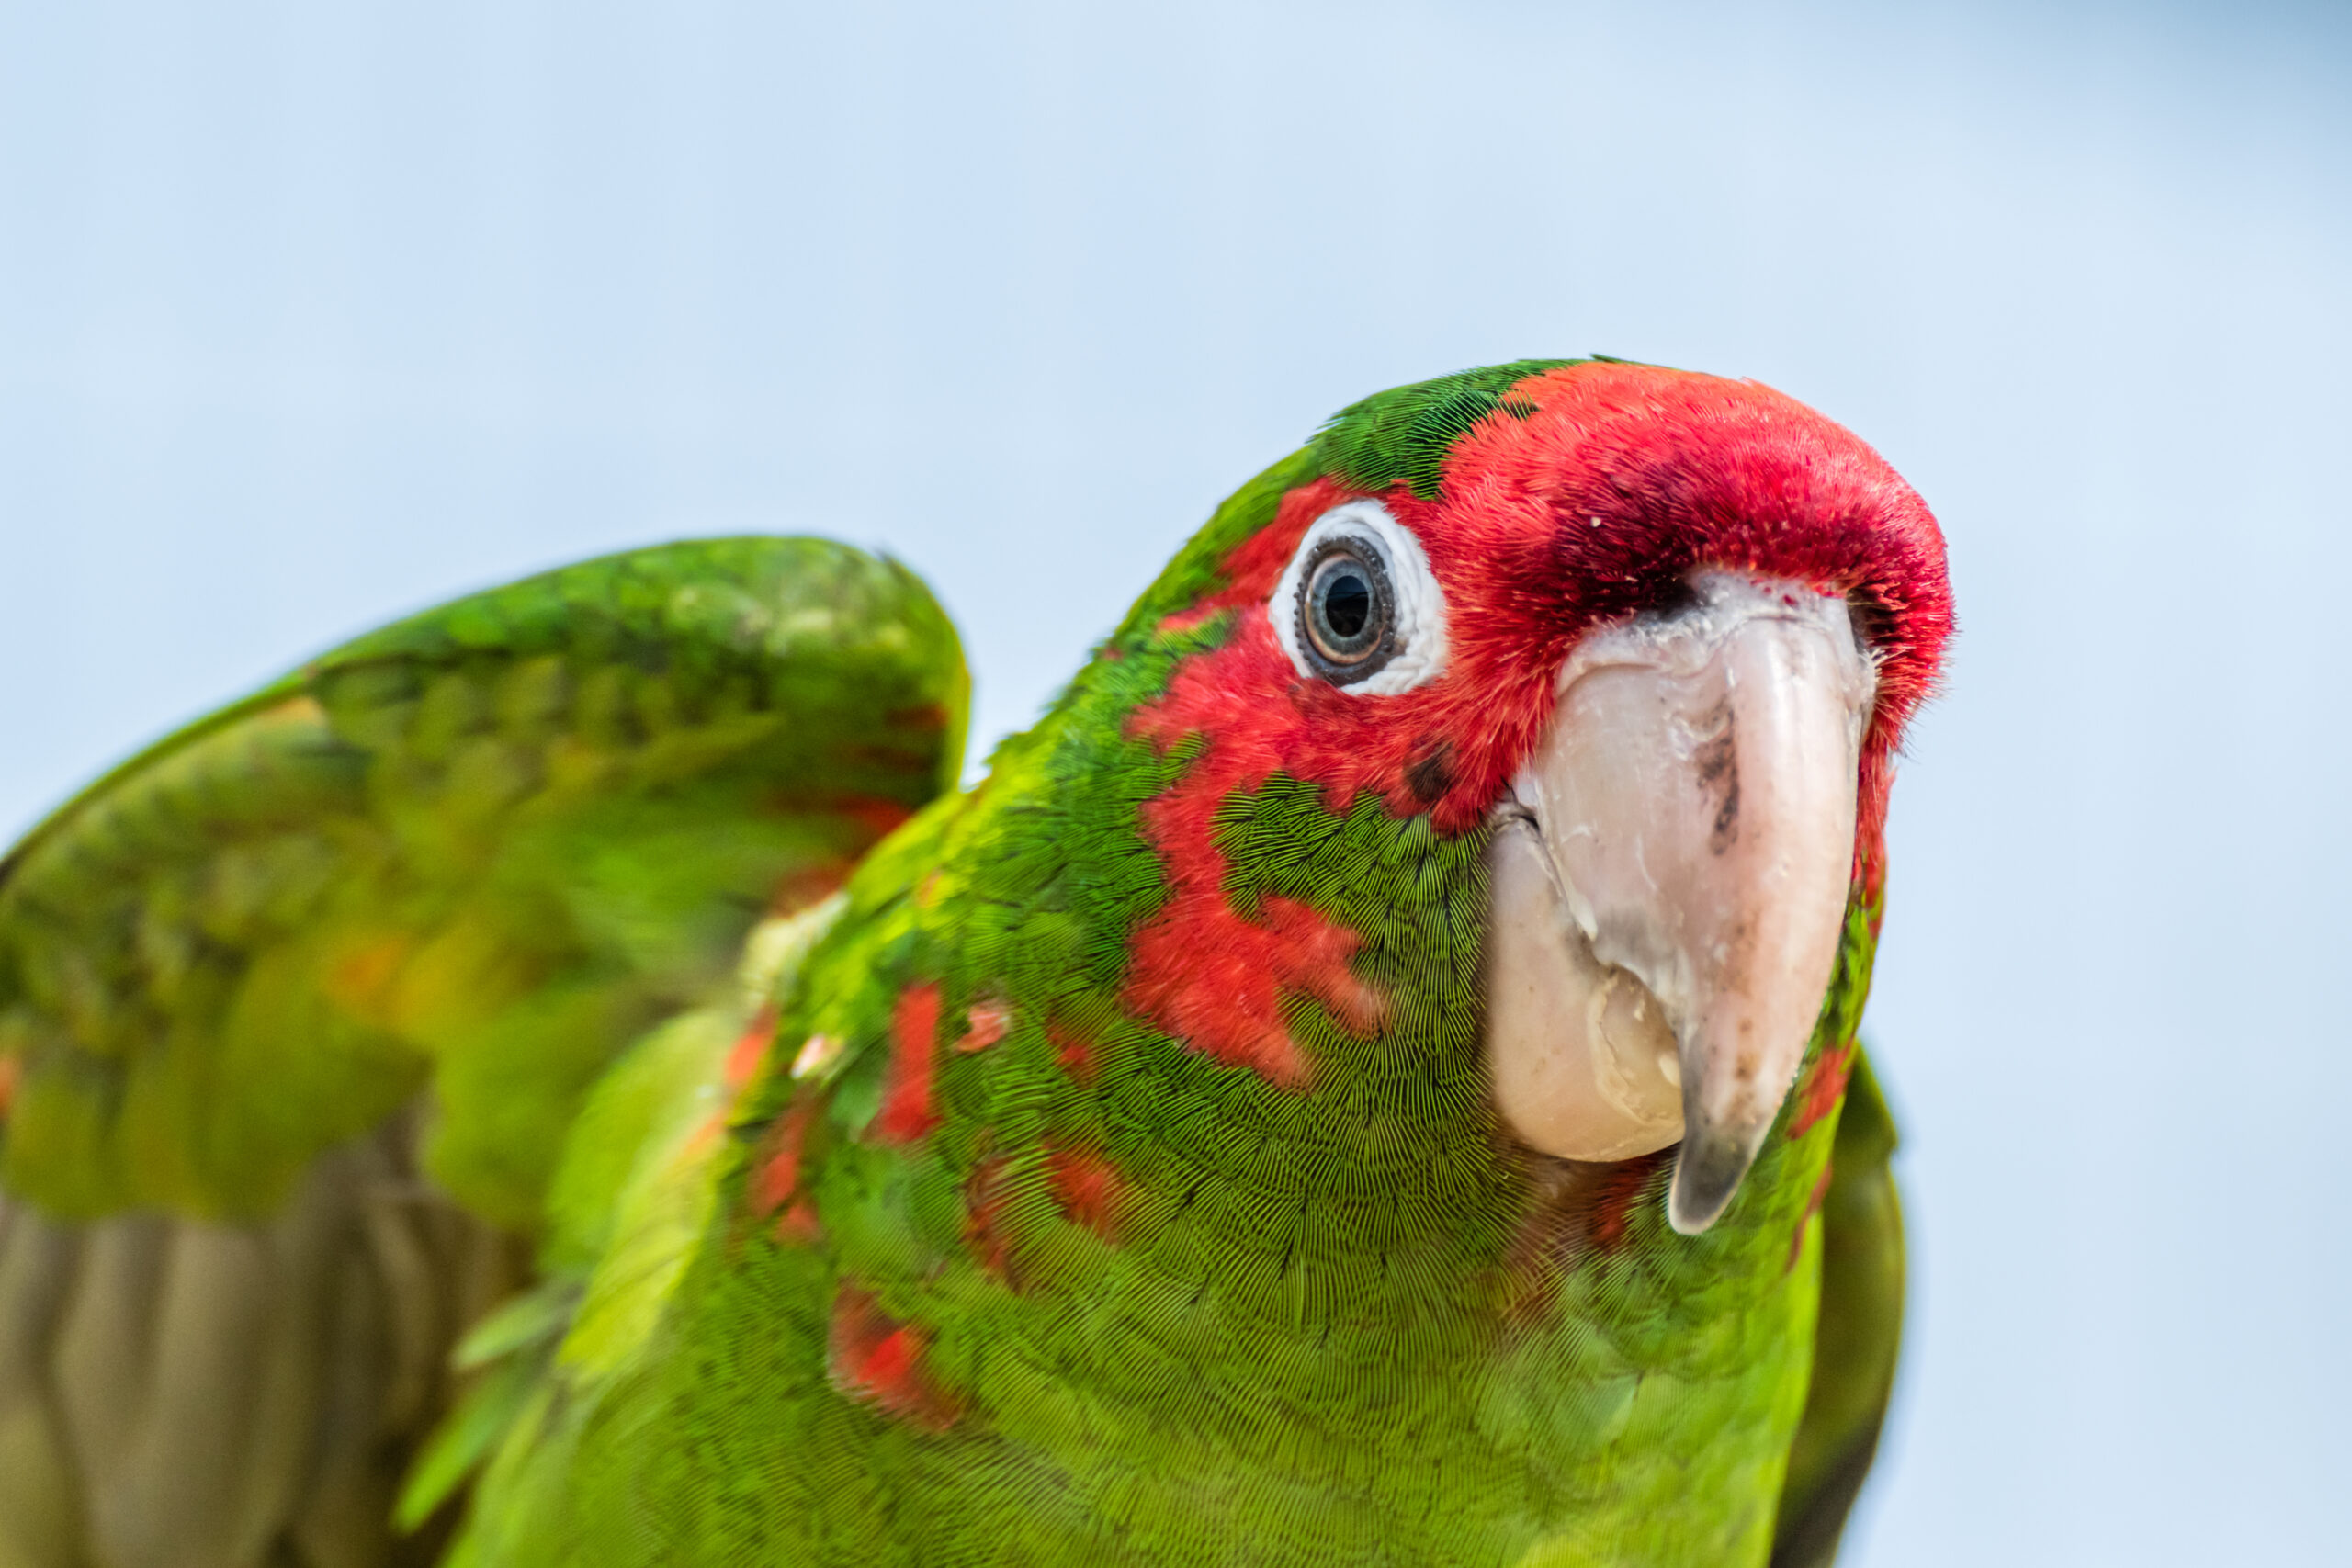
[1858, 1335]
[478, 850]
[391, 918]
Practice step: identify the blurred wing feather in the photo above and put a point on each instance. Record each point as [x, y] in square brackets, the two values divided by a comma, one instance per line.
[1857, 1337]
[480, 850]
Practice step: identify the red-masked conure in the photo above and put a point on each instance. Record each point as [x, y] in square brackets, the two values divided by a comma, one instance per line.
[1370, 1077]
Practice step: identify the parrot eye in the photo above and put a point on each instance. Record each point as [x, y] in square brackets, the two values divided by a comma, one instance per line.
[1359, 607]
[1347, 611]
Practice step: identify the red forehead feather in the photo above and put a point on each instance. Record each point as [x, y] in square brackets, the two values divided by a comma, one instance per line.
[1622, 478]
[1626, 476]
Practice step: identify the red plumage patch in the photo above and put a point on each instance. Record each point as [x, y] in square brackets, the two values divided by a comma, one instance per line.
[744, 1058]
[1072, 1049]
[1085, 1187]
[1088, 1189]
[906, 1112]
[873, 1358]
[1621, 1186]
[775, 1170]
[984, 1024]
[775, 1178]
[1822, 1089]
[1198, 970]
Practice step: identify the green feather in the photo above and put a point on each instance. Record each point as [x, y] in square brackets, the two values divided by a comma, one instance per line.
[1859, 1334]
[1402, 435]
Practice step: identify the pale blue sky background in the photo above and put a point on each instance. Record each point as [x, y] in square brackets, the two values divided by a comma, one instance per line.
[311, 314]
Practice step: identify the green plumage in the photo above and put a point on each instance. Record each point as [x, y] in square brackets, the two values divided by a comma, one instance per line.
[507, 857]
[1402, 435]
[480, 849]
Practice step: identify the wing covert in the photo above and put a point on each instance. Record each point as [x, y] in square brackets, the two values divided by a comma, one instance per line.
[477, 852]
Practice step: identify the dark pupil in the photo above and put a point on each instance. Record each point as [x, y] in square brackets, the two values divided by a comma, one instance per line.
[1346, 602]
[1347, 614]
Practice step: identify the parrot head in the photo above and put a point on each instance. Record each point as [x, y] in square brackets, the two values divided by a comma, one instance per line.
[1656, 635]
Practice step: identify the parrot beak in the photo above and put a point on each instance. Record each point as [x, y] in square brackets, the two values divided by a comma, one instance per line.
[1668, 882]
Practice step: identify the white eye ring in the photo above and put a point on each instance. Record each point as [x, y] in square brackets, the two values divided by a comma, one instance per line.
[1410, 649]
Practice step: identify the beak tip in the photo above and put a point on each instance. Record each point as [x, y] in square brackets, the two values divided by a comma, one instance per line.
[1707, 1174]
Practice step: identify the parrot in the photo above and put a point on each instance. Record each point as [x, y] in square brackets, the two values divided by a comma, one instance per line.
[1372, 1077]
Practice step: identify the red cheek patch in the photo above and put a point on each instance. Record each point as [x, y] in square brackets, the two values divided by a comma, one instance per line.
[874, 1359]
[907, 1114]
[1214, 980]
[1197, 968]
